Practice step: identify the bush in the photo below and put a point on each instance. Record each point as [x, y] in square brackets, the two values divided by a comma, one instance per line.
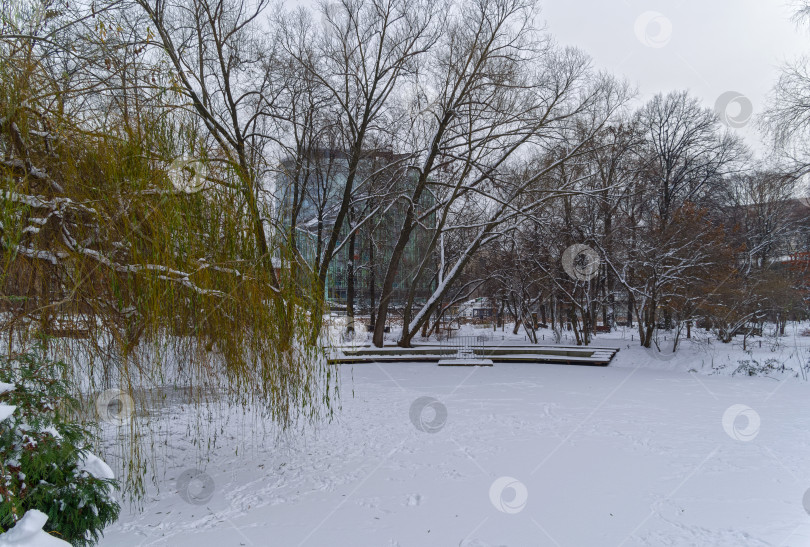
[45, 462]
[754, 367]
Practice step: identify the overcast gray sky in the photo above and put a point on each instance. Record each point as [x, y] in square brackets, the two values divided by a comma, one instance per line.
[709, 47]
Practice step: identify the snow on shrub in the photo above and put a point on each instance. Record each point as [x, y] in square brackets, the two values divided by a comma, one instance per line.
[45, 461]
[28, 533]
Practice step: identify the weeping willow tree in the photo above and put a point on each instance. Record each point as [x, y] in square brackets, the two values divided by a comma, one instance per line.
[132, 240]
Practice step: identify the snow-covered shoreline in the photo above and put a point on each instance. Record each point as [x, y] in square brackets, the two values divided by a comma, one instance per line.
[643, 452]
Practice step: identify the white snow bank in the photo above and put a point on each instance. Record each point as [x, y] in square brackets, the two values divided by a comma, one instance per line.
[6, 387]
[28, 533]
[96, 467]
[6, 411]
[515, 454]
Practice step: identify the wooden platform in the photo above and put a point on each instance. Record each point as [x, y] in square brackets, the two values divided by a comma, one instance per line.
[465, 362]
[568, 355]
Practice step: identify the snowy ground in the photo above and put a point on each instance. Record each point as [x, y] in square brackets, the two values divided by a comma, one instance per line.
[642, 452]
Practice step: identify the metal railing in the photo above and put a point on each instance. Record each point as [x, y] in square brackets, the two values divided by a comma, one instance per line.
[464, 347]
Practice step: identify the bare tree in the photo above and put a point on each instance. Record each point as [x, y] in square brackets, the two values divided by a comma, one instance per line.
[361, 55]
[787, 117]
[498, 90]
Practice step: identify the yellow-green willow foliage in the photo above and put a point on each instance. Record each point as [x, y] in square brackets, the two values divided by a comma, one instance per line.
[137, 282]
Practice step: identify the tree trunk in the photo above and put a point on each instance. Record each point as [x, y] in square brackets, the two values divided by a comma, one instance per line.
[630, 306]
[350, 282]
[667, 318]
[572, 317]
[371, 282]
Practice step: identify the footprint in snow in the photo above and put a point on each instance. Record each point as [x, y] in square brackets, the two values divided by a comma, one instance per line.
[414, 500]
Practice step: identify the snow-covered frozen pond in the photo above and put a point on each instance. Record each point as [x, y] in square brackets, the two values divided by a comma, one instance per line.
[511, 455]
